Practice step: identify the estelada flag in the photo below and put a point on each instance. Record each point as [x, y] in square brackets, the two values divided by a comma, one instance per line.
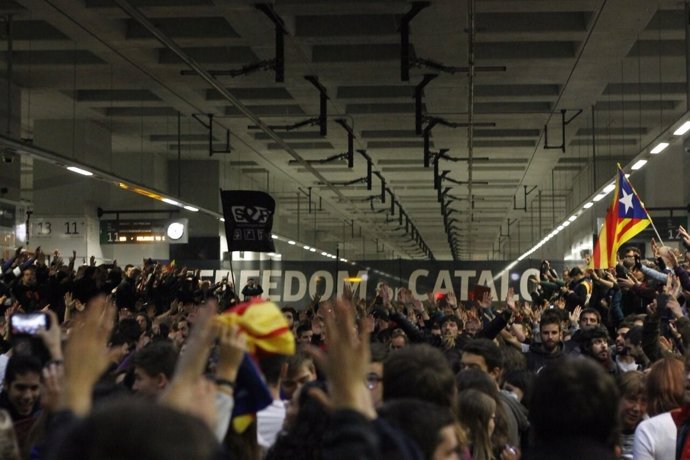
[625, 218]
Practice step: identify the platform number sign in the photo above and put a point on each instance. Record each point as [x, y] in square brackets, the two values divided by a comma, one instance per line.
[58, 227]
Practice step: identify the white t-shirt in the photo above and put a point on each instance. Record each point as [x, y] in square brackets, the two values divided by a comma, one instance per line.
[655, 438]
[3, 366]
[269, 422]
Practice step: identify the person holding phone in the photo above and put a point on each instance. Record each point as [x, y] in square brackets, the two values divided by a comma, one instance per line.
[251, 290]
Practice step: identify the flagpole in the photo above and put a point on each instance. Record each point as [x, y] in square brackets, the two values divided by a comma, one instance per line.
[234, 287]
[655, 230]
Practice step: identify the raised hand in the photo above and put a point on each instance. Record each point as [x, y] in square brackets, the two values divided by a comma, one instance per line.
[510, 300]
[232, 344]
[452, 300]
[345, 362]
[52, 387]
[86, 354]
[486, 300]
[51, 336]
[188, 383]
[684, 235]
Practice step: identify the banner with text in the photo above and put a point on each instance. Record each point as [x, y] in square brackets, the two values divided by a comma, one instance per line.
[296, 282]
[248, 220]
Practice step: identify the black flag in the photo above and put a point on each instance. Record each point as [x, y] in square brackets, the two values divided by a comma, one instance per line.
[248, 220]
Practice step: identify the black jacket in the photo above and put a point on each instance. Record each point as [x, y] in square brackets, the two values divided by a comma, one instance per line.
[537, 357]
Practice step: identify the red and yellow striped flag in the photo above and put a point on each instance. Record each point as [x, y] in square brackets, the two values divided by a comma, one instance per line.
[625, 218]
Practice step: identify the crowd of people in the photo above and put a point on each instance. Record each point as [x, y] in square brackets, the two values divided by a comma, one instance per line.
[143, 362]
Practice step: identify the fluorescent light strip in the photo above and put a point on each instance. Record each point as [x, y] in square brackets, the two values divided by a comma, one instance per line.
[572, 218]
[609, 188]
[291, 242]
[599, 197]
[191, 208]
[169, 201]
[588, 205]
[660, 147]
[81, 171]
[682, 129]
[638, 165]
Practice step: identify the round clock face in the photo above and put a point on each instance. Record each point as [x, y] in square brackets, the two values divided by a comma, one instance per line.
[175, 231]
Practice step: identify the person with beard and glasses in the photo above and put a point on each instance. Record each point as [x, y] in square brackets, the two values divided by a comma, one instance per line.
[550, 349]
[594, 344]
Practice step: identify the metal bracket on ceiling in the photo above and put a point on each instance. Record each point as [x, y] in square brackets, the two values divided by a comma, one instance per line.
[526, 193]
[367, 179]
[321, 121]
[418, 94]
[439, 177]
[323, 103]
[209, 127]
[500, 230]
[349, 155]
[564, 122]
[442, 193]
[407, 61]
[277, 63]
[431, 122]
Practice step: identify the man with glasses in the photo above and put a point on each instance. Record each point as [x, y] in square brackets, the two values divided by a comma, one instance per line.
[374, 377]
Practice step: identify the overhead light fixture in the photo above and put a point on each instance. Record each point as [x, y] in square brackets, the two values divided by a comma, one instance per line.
[306, 247]
[222, 219]
[312, 249]
[275, 237]
[566, 223]
[191, 208]
[83, 172]
[169, 201]
[609, 188]
[560, 227]
[572, 218]
[682, 129]
[599, 197]
[588, 205]
[291, 242]
[638, 165]
[324, 253]
[343, 260]
[660, 147]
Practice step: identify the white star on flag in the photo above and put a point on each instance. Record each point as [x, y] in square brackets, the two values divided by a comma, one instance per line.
[627, 201]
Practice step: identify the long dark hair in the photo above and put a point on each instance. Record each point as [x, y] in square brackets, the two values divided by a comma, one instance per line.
[304, 439]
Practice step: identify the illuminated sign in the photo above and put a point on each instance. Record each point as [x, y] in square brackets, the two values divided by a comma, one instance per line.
[143, 231]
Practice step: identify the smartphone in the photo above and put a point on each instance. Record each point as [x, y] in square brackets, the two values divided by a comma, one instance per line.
[28, 324]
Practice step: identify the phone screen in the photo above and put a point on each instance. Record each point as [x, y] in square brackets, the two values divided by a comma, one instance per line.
[28, 323]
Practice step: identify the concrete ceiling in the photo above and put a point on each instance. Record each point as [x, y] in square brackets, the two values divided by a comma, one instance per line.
[621, 61]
